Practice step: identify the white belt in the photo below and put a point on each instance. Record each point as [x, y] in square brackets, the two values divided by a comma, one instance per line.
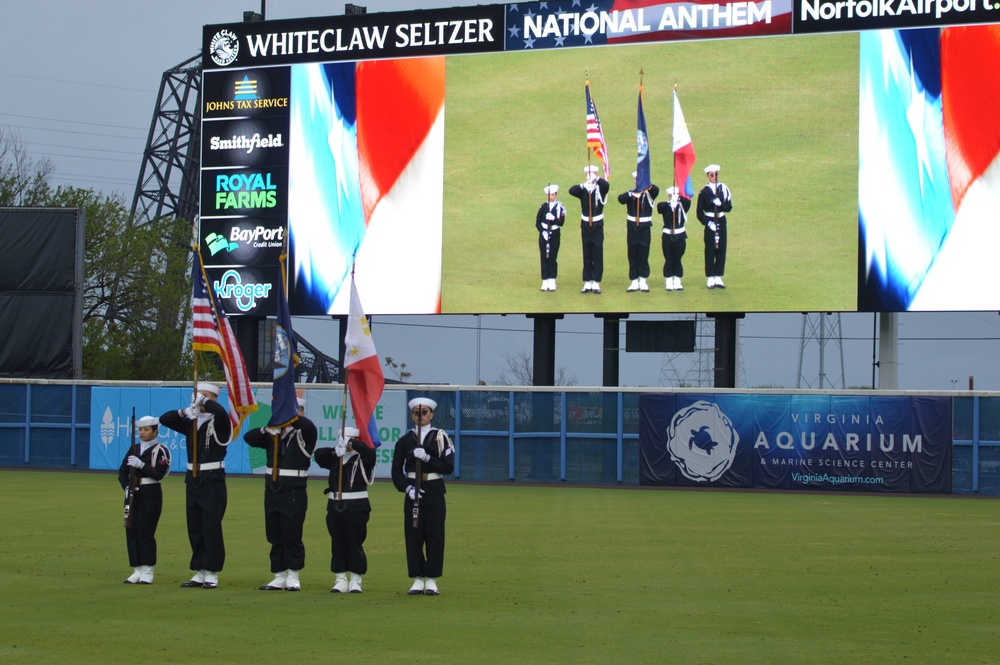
[668, 232]
[641, 219]
[712, 214]
[208, 466]
[595, 218]
[288, 473]
[427, 476]
[149, 481]
[553, 227]
[348, 496]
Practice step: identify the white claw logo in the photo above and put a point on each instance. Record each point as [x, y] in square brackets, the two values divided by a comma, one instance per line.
[702, 441]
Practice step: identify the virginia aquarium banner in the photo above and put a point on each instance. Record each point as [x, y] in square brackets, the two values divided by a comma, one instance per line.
[821, 442]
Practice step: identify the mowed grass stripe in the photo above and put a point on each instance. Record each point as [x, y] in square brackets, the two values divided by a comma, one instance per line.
[532, 575]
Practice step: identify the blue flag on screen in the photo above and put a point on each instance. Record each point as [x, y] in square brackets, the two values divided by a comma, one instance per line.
[284, 401]
[642, 177]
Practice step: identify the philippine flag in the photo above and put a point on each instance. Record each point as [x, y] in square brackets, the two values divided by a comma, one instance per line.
[684, 156]
[365, 380]
[929, 169]
[366, 164]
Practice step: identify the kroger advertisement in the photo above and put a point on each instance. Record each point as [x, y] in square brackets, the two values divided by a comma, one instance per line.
[111, 414]
[796, 442]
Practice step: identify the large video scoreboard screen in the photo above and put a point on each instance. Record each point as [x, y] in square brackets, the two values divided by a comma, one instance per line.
[414, 149]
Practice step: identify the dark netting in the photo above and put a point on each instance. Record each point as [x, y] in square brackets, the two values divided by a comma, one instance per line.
[486, 411]
[989, 418]
[592, 413]
[961, 418]
[592, 461]
[11, 447]
[989, 470]
[961, 469]
[536, 459]
[50, 448]
[12, 403]
[51, 404]
[485, 458]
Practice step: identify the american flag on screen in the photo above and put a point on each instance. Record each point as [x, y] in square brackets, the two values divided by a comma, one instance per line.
[211, 332]
[929, 169]
[595, 134]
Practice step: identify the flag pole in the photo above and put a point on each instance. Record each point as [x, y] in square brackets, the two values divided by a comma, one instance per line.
[194, 355]
[674, 161]
[343, 419]
[590, 199]
[275, 467]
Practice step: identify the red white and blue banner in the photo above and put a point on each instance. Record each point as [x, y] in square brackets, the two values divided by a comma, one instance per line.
[796, 442]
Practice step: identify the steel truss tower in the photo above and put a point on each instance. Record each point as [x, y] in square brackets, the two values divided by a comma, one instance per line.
[168, 177]
[821, 329]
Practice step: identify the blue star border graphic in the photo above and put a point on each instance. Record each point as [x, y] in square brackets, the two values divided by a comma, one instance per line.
[516, 13]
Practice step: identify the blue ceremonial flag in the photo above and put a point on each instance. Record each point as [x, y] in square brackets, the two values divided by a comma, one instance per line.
[642, 177]
[284, 401]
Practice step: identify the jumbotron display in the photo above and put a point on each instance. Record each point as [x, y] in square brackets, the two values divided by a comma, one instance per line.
[627, 156]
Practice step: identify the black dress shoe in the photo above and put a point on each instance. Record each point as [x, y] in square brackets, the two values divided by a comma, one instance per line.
[268, 587]
[209, 585]
[191, 583]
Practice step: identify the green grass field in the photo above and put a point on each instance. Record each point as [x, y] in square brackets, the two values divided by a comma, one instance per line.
[780, 115]
[532, 575]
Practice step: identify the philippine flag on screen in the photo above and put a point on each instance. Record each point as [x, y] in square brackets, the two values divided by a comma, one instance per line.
[366, 185]
[929, 169]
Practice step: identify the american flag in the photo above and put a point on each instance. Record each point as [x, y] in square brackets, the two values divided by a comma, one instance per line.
[595, 135]
[212, 332]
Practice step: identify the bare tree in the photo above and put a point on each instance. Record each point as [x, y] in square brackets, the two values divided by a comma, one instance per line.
[520, 371]
[24, 181]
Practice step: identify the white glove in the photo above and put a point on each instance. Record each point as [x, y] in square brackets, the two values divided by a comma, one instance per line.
[712, 227]
[549, 216]
[199, 399]
[192, 412]
[411, 492]
[674, 198]
[421, 454]
[545, 236]
[716, 202]
[341, 448]
[273, 431]
[135, 462]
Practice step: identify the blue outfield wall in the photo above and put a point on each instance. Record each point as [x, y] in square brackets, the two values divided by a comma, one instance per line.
[529, 435]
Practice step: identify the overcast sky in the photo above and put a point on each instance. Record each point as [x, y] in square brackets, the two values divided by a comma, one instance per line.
[80, 82]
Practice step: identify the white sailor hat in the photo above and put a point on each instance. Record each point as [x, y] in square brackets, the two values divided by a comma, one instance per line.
[423, 401]
[205, 386]
[551, 189]
[712, 168]
[590, 168]
[148, 421]
[671, 191]
[351, 432]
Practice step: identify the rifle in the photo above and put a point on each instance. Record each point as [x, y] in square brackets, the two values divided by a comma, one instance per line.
[133, 482]
[419, 477]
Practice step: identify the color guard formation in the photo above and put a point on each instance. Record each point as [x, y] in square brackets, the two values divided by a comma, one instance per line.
[423, 456]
